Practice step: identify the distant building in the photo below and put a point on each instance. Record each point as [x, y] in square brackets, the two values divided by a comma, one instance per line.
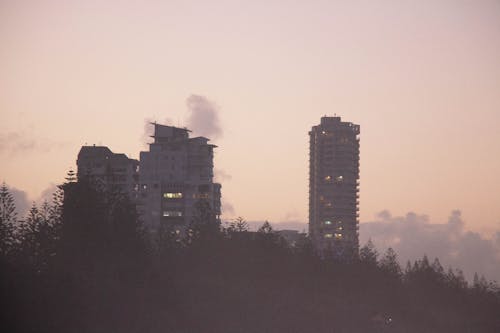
[112, 172]
[176, 180]
[333, 187]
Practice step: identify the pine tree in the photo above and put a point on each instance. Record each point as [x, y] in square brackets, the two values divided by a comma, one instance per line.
[389, 263]
[368, 254]
[238, 225]
[8, 220]
[266, 228]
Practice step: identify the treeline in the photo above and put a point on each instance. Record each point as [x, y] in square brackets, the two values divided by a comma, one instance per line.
[83, 263]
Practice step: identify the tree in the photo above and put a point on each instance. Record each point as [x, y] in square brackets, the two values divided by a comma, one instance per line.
[368, 254]
[100, 231]
[456, 280]
[238, 225]
[389, 263]
[266, 228]
[8, 220]
[204, 224]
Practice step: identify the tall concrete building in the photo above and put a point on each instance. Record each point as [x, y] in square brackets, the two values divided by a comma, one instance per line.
[333, 187]
[176, 179]
[110, 171]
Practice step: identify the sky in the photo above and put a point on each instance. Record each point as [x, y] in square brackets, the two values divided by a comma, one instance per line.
[421, 78]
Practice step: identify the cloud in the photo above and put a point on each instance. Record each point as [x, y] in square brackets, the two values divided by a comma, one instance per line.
[227, 208]
[221, 175]
[413, 235]
[24, 204]
[203, 117]
[47, 194]
[21, 201]
[16, 142]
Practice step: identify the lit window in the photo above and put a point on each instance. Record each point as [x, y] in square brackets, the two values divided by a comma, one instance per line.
[172, 213]
[172, 195]
[328, 204]
[328, 235]
[339, 178]
[340, 228]
[328, 178]
[144, 186]
[328, 222]
[338, 236]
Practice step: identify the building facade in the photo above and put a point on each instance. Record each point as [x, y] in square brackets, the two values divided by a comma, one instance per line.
[334, 187]
[176, 180]
[110, 171]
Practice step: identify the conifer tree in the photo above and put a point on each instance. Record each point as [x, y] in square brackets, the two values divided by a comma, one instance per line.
[368, 253]
[8, 219]
[389, 263]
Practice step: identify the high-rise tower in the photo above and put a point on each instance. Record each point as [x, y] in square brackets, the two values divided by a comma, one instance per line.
[175, 177]
[333, 187]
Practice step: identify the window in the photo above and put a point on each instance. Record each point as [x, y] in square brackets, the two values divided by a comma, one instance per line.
[172, 195]
[338, 236]
[328, 222]
[339, 179]
[328, 235]
[172, 213]
[328, 178]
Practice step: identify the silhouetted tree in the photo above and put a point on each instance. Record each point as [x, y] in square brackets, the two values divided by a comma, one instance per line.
[266, 228]
[389, 263]
[8, 220]
[368, 254]
[238, 225]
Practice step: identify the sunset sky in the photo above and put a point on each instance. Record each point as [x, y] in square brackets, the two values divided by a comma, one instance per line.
[421, 78]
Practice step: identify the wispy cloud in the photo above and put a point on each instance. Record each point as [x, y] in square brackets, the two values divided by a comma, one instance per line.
[221, 175]
[227, 208]
[13, 143]
[16, 142]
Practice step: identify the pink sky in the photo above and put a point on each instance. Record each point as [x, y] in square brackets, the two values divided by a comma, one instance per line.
[422, 78]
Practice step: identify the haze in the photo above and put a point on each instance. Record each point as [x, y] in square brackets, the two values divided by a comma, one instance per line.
[422, 78]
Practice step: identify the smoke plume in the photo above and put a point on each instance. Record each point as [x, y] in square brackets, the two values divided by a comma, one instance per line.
[203, 117]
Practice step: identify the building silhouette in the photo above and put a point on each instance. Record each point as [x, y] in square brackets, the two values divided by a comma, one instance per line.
[109, 171]
[176, 185]
[333, 188]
